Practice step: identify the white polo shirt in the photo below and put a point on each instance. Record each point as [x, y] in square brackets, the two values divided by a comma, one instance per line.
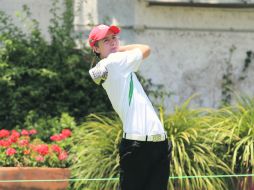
[127, 95]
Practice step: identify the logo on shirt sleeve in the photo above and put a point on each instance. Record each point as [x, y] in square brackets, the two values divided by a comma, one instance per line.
[99, 74]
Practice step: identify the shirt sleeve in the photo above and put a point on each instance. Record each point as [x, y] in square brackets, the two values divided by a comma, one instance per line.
[132, 60]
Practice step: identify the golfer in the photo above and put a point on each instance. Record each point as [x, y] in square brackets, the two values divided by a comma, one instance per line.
[144, 149]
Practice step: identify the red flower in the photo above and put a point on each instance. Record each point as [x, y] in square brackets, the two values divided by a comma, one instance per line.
[56, 148]
[5, 143]
[23, 142]
[13, 143]
[4, 133]
[10, 151]
[13, 139]
[42, 149]
[32, 132]
[63, 155]
[15, 134]
[39, 158]
[66, 132]
[57, 137]
[24, 132]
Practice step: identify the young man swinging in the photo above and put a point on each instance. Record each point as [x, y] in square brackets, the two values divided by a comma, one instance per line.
[144, 149]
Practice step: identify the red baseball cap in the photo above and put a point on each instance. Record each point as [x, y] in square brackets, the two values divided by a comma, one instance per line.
[100, 31]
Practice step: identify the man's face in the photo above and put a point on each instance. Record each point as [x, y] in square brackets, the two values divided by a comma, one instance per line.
[109, 44]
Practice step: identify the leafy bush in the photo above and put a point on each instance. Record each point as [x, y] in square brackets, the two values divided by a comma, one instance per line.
[193, 151]
[237, 147]
[45, 77]
[95, 152]
[243, 149]
[48, 126]
[194, 138]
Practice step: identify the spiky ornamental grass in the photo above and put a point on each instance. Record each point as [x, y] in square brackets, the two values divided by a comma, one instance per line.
[205, 142]
[96, 152]
[193, 153]
[241, 150]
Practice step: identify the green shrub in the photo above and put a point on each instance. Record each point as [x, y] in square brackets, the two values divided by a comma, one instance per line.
[193, 153]
[243, 149]
[45, 77]
[239, 143]
[49, 125]
[95, 152]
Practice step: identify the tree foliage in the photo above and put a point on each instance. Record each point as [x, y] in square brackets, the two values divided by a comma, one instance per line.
[48, 78]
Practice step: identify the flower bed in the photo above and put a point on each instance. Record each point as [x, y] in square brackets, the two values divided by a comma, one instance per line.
[24, 149]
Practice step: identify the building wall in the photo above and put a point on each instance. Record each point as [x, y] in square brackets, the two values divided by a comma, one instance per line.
[40, 10]
[190, 45]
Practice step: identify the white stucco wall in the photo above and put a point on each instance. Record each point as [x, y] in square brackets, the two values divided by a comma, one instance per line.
[40, 10]
[193, 45]
[190, 45]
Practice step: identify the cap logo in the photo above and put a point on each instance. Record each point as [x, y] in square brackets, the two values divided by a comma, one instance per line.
[101, 27]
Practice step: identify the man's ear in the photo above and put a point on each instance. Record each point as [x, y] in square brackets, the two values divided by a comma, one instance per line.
[96, 49]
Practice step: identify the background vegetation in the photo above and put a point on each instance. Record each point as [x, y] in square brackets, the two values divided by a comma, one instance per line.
[206, 142]
[47, 78]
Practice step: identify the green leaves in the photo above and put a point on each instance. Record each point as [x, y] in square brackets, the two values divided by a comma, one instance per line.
[193, 153]
[48, 78]
[95, 151]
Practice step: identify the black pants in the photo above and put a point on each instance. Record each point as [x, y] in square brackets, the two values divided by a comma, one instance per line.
[144, 165]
